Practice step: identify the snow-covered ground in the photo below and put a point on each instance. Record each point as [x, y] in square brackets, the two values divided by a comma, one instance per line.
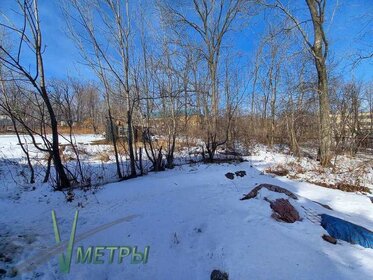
[10, 149]
[97, 161]
[192, 219]
[357, 171]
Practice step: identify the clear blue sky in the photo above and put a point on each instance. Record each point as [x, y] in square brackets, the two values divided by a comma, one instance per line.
[345, 29]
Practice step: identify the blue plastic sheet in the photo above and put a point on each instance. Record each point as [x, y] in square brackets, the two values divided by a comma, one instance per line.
[341, 229]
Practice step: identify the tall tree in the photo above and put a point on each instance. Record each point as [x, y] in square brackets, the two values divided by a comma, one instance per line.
[211, 21]
[318, 47]
[110, 49]
[30, 35]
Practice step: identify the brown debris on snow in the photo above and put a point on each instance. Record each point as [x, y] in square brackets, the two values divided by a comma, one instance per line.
[346, 187]
[278, 170]
[329, 239]
[254, 192]
[284, 211]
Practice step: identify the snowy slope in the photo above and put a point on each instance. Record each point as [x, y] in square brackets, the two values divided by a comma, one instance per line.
[193, 221]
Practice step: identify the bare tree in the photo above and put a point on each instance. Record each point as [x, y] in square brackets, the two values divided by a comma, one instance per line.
[364, 55]
[214, 20]
[115, 62]
[30, 36]
[319, 50]
[8, 100]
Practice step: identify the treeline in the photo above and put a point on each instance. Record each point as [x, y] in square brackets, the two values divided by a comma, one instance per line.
[174, 70]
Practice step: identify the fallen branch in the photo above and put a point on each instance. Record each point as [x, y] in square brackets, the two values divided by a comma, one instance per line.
[254, 192]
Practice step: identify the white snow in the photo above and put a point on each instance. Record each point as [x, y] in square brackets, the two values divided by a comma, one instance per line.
[193, 221]
[345, 169]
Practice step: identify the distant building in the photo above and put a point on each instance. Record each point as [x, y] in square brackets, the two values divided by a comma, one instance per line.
[357, 131]
[366, 121]
[362, 125]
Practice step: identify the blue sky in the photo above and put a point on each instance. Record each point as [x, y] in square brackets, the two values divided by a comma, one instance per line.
[61, 57]
[348, 20]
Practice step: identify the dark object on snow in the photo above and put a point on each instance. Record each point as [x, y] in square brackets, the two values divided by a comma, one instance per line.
[284, 211]
[218, 275]
[254, 192]
[3, 271]
[371, 198]
[4, 258]
[329, 239]
[230, 175]
[70, 196]
[343, 230]
[240, 173]
[323, 205]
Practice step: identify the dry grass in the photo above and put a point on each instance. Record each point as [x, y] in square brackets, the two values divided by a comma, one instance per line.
[318, 170]
[100, 142]
[103, 156]
[297, 168]
[76, 130]
[343, 186]
[68, 157]
[278, 170]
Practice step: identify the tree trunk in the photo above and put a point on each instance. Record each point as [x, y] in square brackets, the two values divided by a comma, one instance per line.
[325, 131]
[130, 144]
[320, 51]
[114, 140]
[129, 107]
[62, 179]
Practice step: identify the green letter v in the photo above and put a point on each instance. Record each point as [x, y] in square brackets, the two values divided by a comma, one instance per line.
[65, 261]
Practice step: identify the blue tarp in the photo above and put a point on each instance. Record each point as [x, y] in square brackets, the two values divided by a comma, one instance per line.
[341, 229]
